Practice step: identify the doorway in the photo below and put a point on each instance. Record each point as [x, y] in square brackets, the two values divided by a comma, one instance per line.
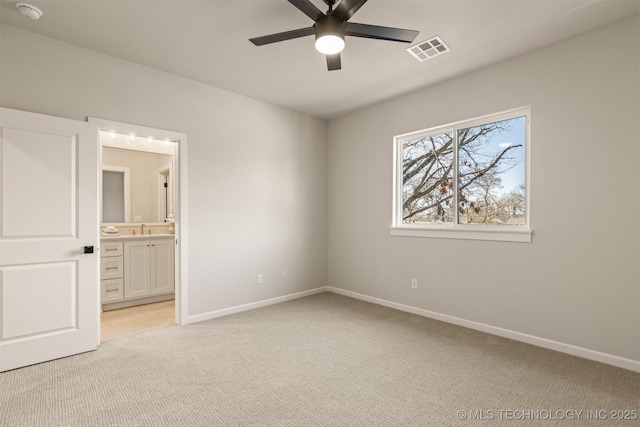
[163, 214]
[165, 194]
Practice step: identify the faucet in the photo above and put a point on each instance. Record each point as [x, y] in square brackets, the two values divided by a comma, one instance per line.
[142, 229]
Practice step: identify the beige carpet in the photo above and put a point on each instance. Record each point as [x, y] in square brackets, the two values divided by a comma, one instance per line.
[320, 360]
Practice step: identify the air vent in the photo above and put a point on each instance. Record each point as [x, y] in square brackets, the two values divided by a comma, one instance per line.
[428, 49]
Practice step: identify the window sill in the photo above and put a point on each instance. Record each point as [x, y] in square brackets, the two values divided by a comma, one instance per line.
[467, 233]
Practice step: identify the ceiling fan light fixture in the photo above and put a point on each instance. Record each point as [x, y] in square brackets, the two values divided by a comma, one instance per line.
[329, 44]
[330, 34]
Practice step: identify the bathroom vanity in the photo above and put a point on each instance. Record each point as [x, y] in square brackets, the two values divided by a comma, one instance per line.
[136, 270]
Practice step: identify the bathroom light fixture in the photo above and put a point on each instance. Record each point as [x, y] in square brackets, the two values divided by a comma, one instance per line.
[29, 11]
[330, 34]
[149, 140]
[132, 137]
[112, 135]
[166, 143]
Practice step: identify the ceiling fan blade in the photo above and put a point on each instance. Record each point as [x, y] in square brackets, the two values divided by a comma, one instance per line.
[381, 33]
[279, 37]
[333, 62]
[347, 8]
[308, 8]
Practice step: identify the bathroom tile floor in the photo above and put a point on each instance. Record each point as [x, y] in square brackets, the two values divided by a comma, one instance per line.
[133, 320]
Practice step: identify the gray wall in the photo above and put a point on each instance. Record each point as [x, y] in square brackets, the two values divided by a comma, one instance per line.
[578, 282]
[256, 173]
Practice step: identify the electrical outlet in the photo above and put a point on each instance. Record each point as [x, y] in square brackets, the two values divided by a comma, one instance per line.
[414, 283]
[284, 275]
[260, 279]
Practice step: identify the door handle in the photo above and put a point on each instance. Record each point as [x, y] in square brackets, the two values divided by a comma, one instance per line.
[88, 250]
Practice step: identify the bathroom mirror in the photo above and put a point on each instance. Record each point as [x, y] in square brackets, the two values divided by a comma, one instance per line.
[136, 186]
[116, 194]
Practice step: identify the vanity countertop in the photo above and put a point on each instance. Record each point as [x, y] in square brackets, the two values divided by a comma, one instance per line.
[136, 237]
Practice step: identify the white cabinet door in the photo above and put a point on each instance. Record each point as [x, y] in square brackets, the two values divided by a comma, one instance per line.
[137, 276]
[162, 277]
[49, 292]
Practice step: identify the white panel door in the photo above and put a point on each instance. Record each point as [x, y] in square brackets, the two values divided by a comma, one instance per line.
[49, 292]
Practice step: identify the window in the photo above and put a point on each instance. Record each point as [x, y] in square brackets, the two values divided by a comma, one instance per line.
[466, 180]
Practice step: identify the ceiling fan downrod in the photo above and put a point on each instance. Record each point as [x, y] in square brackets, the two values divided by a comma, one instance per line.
[330, 3]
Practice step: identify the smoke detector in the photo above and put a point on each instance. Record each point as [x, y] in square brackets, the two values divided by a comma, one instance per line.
[29, 11]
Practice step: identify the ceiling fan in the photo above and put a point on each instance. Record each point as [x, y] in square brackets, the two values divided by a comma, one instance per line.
[330, 29]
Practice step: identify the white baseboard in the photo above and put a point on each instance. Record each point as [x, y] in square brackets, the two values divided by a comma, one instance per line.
[250, 306]
[585, 353]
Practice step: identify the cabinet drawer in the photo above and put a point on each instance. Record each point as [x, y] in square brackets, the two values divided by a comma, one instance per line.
[110, 249]
[111, 268]
[111, 290]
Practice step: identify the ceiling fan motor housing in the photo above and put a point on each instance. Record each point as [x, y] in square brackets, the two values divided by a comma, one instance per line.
[330, 24]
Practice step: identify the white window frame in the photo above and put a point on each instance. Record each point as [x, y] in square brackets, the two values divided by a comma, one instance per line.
[510, 233]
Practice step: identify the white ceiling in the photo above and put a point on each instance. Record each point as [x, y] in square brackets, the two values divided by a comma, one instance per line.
[207, 41]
